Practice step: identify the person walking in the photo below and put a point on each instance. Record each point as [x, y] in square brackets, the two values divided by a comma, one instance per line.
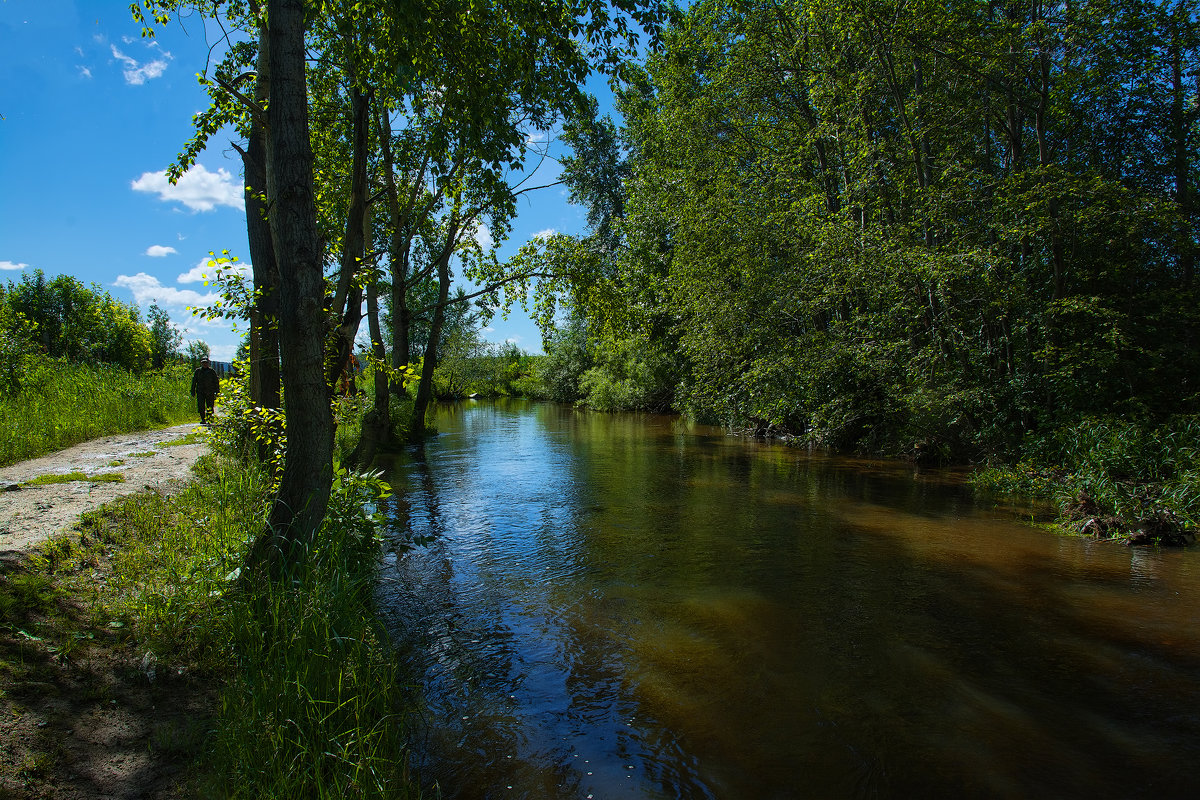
[205, 387]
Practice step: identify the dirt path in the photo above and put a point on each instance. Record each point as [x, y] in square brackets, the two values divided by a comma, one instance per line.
[97, 720]
[146, 459]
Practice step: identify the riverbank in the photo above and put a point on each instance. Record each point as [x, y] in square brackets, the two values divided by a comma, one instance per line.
[1130, 480]
[136, 664]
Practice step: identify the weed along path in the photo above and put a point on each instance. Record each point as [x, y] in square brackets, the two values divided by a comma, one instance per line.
[46, 495]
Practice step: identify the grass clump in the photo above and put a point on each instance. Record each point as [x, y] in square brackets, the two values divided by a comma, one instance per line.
[319, 708]
[1115, 478]
[195, 437]
[61, 404]
[71, 477]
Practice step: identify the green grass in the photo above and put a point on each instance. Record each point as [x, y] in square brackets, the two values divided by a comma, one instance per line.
[313, 704]
[195, 437]
[1129, 473]
[70, 477]
[62, 404]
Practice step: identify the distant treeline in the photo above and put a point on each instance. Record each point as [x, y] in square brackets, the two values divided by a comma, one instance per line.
[61, 318]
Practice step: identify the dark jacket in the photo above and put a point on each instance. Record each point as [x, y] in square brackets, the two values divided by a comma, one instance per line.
[205, 382]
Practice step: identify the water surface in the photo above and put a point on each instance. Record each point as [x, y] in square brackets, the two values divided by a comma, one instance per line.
[625, 606]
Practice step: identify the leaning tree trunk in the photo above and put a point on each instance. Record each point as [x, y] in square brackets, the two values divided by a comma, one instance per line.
[429, 363]
[349, 296]
[377, 423]
[303, 496]
[264, 314]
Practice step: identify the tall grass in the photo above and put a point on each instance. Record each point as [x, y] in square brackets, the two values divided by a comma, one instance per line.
[313, 705]
[61, 404]
[1129, 469]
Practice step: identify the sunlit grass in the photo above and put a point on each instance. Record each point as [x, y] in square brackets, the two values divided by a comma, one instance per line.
[195, 437]
[71, 477]
[62, 404]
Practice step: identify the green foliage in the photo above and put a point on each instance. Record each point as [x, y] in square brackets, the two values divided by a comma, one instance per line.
[1130, 470]
[165, 338]
[630, 374]
[472, 366]
[62, 404]
[17, 350]
[245, 430]
[568, 357]
[196, 352]
[80, 324]
[862, 225]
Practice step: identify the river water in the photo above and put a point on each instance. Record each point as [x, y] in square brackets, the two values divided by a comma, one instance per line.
[625, 606]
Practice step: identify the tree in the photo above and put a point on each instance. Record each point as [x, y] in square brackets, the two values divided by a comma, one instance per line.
[165, 337]
[197, 351]
[426, 57]
[886, 223]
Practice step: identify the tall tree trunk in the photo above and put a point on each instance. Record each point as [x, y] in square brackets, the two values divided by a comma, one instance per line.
[303, 496]
[349, 295]
[377, 424]
[398, 252]
[1179, 134]
[264, 314]
[429, 363]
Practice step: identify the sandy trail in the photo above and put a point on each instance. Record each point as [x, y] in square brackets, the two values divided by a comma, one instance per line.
[31, 514]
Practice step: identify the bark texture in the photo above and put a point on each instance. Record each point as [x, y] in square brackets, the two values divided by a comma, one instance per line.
[303, 496]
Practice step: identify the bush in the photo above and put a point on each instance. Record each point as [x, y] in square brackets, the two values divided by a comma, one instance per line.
[629, 375]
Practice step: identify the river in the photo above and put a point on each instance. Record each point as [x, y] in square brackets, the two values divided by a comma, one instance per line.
[627, 606]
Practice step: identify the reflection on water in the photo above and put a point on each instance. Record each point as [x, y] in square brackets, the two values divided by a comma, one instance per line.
[629, 607]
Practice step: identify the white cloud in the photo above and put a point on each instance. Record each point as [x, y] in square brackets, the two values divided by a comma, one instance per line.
[84, 72]
[204, 272]
[222, 352]
[11, 265]
[158, 250]
[198, 189]
[147, 289]
[484, 237]
[137, 73]
[544, 234]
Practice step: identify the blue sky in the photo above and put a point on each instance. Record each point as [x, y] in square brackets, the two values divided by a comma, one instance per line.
[92, 115]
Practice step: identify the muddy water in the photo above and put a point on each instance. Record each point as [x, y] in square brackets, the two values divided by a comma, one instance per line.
[627, 607]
